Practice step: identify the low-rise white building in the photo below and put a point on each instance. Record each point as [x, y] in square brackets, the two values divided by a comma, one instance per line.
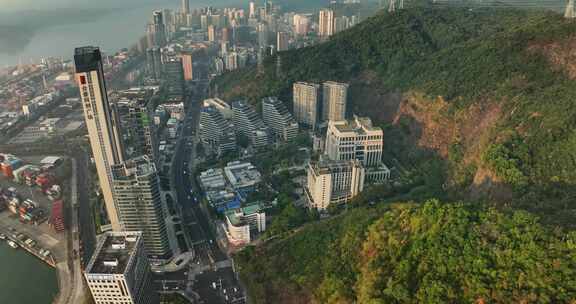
[242, 176]
[243, 223]
[212, 179]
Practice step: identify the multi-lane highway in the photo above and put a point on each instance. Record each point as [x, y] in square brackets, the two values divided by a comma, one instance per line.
[209, 257]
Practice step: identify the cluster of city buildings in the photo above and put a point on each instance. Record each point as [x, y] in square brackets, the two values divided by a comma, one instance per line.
[128, 182]
[351, 148]
[222, 123]
[129, 159]
[119, 271]
[226, 190]
[234, 37]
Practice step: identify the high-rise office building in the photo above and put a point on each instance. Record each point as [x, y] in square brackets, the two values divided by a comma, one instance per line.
[335, 98]
[277, 117]
[211, 33]
[186, 6]
[262, 35]
[159, 28]
[135, 107]
[282, 41]
[174, 75]
[301, 24]
[252, 10]
[326, 23]
[333, 182]
[140, 208]
[306, 103]
[188, 66]
[268, 8]
[154, 63]
[119, 271]
[225, 34]
[101, 122]
[355, 139]
[231, 61]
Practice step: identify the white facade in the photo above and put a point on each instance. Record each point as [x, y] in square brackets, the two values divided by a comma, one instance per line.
[119, 272]
[334, 182]
[240, 222]
[355, 139]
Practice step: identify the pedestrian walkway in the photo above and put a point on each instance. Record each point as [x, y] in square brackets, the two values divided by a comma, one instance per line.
[178, 263]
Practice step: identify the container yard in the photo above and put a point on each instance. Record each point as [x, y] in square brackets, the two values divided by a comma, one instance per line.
[31, 205]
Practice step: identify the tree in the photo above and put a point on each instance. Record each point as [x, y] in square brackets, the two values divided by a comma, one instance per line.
[243, 141]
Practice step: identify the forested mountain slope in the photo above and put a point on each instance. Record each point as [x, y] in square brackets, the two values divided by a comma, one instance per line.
[477, 105]
[488, 93]
[407, 253]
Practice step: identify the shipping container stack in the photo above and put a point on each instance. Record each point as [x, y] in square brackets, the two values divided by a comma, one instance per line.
[8, 164]
[57, 218]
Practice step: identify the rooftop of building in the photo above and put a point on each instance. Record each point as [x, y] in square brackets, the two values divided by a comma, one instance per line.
[136, 94]
[239, 173]
[114, 253]
[329, 165]
[358, 125]
[335, 83]
[239, 104]
[212, 178]
[236, 216]
[139, 166]
[216, 102]
[87, 58]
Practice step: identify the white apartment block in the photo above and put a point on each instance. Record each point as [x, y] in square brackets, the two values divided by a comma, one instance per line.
[334, 182]
[240, 222]
[355, 139]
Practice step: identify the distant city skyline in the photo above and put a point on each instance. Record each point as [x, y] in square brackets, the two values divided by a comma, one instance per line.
[53, 28]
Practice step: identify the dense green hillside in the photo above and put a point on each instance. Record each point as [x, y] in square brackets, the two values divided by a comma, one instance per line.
[477, 106]
[488, 93]
[433, 253]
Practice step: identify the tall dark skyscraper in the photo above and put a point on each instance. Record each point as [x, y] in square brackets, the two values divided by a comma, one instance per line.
[174, 76]
[154, 63]
[159, 28]
[101, 122]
